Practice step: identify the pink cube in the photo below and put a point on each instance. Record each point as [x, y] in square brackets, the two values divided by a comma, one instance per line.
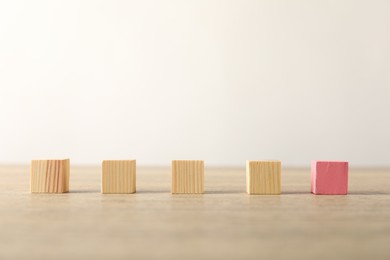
[329, 178]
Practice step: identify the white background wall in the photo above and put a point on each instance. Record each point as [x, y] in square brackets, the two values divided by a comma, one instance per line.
[222, 81]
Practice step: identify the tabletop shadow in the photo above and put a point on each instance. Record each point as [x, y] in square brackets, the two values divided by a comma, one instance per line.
[223, 192]
[368, 193]
[153, 191]
[295, 193]
[84, 191]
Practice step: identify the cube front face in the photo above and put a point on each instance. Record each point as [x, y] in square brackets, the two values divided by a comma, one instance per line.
[49, 176]
[263, 177]
[118, 176]
[329, 178]
[187, 177]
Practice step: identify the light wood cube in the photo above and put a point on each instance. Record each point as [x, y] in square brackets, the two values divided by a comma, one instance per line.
[118, 176]
[263, 177]
[187, 176]
[49, 176]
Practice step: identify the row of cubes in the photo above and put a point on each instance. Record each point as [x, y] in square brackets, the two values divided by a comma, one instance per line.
[119, 177]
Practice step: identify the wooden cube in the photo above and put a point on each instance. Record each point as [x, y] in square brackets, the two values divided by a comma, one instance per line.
[49, 176]
[329, 178]
[187, 176]
[263, 177]
[118, 176]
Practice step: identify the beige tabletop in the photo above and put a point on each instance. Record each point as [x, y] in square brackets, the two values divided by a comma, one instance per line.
[223, 223]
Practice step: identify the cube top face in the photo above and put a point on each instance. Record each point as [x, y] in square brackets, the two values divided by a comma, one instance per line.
[263, 161]
[329, 177]
[263, 177]
[118, 176]
[187, 177]
[49, 176]
[187, 161]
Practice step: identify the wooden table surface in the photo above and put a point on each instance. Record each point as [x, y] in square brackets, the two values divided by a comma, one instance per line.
[223, 223]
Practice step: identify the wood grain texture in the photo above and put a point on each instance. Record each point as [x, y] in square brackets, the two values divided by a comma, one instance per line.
[118, 176]
[187, 176]
[223, 223]
[263, 177]
[49, 176]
